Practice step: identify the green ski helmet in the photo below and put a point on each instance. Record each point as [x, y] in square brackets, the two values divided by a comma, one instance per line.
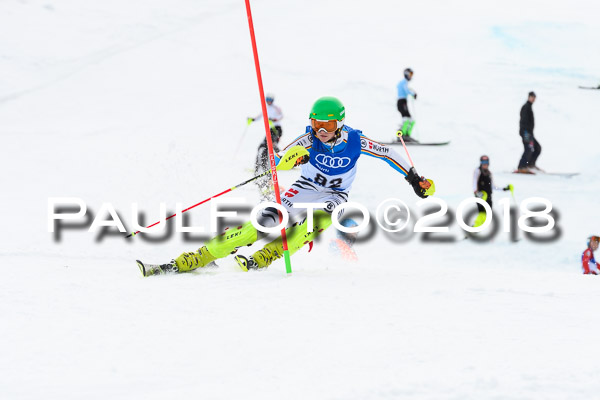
[328, 108]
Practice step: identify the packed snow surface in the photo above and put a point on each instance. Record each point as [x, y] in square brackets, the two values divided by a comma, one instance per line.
[146, 102]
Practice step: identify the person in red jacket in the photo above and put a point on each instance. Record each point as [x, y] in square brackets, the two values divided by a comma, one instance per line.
[589, 264]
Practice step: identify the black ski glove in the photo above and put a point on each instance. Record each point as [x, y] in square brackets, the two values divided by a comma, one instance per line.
[302, 160]
[415, 96]
[419, 183]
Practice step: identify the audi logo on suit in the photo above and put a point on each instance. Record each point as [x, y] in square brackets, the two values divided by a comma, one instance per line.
[333, 162]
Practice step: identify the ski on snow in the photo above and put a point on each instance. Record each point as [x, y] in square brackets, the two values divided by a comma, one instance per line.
[589, 87]
[561, 174]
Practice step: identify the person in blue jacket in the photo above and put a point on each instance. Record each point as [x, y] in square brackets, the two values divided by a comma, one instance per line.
[403, 92]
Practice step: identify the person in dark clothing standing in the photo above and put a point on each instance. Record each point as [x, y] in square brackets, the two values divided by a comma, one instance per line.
[531, 147]
[483, 184]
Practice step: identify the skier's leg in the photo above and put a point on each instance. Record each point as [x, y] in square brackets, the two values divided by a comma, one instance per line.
[410, 126]
[403, 108]
[537, 150]
[218, 247]
[407, 121]
[405, 126]
[526, 155]
[262, 158]
[191, 260]
[265, 187]
[297, 235]
[226, 243]
[244, 235]
[481, 216]
[276, 133]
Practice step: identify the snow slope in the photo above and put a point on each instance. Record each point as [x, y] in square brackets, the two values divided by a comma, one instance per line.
[145, 101]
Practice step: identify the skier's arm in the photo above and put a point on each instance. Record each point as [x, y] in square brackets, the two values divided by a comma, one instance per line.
[304, 141]
[406, 90]
[497, 187]
[275, 113]
[412, 92]
[259, 116]
[422, 187]
[475, 179]
[385, 153]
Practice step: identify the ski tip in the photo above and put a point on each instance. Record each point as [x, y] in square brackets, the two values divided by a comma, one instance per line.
[242, 263]
[141, 267]
[562, 174]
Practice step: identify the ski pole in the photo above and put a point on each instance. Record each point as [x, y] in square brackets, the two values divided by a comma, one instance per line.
[400, 133]
[237, 149]
[512, 193]
[430, 189]
[287, 162]
[205, 200]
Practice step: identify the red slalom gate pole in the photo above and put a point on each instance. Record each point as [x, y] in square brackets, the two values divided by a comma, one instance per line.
[286, 253]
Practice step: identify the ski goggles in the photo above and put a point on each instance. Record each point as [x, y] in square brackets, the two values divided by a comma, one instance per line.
[484, 162]
[329, 126]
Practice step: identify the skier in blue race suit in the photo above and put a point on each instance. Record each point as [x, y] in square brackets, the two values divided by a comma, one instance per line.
[326, 177]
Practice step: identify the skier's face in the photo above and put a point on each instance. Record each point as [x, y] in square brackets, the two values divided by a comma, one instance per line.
[594, 245]
[485, 164]
[324, 130]
[325, 136]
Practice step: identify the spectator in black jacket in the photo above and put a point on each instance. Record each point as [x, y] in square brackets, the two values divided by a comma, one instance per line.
[532, 148]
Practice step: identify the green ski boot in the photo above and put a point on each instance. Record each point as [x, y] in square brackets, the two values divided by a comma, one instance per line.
[195, 259]
[261, 259]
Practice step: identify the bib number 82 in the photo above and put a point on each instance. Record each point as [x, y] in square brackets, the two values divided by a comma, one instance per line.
[334, 183]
